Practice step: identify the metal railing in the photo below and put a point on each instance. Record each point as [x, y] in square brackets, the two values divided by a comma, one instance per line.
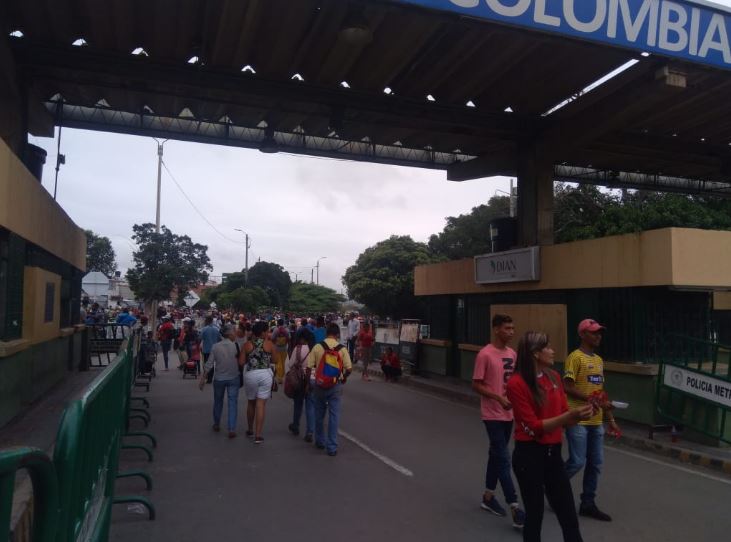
[692, 409]
[73, 494]
[45, 490]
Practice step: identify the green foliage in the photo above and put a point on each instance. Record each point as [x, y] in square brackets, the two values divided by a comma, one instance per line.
[273, 279]
[467, 235]
[100, 254]
[243, 299]
[164, 262]
[585, 212]
[383, 276]
[308, 298]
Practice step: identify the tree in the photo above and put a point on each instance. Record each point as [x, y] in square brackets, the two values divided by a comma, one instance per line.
[273, 279]
[100, 255]
[308, 298]
[467, 235]
[383, 276]
[165, 262]
[244, 299]
[586, 212]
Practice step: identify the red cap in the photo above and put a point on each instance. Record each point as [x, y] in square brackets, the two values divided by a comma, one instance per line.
[590, 325]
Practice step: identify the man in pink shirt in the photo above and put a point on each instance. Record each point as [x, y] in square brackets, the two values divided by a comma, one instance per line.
[494, 365]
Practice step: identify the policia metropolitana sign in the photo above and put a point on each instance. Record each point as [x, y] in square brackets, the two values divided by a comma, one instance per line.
[699, 385]
[692, 30]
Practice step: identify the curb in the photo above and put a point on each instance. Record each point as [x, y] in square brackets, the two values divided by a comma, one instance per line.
[678, 453]
[683, 455]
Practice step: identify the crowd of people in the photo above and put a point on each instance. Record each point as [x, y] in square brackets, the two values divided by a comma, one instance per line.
[312, 357]
[523, 397]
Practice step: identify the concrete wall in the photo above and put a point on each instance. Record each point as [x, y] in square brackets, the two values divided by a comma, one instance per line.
[550, 319]
[670, 256]
[28, 210]
[28, 374]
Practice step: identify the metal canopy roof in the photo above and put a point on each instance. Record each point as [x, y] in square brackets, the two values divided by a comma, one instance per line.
[313, 76]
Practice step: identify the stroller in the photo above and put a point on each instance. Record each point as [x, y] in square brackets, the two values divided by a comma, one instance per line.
[192, 366]
[147, 356]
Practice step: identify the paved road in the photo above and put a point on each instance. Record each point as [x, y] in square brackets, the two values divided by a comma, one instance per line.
[414, 474]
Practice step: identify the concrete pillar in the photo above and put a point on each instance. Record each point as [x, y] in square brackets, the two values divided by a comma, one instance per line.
[535, 196]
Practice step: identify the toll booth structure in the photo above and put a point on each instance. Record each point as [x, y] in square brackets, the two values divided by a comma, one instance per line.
[653, 291]
[629, 94]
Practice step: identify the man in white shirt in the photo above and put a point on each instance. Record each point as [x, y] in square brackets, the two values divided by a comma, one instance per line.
[353, 330]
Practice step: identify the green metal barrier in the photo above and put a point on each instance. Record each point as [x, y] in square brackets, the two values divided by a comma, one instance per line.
[692, 409]
[45, 491]
[73, 495]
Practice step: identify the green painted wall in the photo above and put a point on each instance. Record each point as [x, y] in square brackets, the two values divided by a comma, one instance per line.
[28, 375]
[433, 359]
[466, 364]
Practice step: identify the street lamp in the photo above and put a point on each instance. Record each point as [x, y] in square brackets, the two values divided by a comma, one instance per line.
[248, 246]
[318, 268]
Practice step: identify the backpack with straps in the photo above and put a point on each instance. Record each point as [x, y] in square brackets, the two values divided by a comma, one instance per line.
[330, 367]
[294, 380]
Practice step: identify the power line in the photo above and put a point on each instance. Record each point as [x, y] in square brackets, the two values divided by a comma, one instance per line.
[196, 208]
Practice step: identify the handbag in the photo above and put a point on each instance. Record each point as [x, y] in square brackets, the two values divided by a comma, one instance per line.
[294, 380]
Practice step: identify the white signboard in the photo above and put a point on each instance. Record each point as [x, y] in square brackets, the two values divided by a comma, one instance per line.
[706, 387]
[519, 265]
[191, 299]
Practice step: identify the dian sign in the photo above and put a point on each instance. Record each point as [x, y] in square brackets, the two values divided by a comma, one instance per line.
[693, 30]
[512, 266]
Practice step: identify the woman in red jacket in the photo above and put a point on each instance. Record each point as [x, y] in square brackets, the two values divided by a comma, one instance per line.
[539, 403]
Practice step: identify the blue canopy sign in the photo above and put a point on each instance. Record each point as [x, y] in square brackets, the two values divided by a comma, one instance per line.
[695, 31]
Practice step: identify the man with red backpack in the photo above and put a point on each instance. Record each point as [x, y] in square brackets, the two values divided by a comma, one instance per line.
[332, 365]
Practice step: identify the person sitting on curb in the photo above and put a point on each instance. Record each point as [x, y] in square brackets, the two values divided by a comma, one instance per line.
[391, 365]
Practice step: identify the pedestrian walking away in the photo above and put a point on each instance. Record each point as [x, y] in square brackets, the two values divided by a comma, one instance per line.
[540, 409]
[280, 338]
[365, 348]
[584, 383]
[296, 364]
[494, 366]
[165, 334]
[225, 356]
[258, 379]
[209, 335]
[332, 365]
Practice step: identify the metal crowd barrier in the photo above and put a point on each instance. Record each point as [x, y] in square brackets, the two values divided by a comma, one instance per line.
[73, 495]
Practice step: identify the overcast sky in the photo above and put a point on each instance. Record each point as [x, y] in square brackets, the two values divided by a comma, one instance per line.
[296, 209]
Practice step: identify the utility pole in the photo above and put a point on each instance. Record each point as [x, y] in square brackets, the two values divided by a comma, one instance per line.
[513, 199]
[318, 268]
[159, 182]
[312, 276]
[246, 261]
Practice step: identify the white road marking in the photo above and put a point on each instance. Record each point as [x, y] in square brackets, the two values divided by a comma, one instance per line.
[387, 460]
[666, 464]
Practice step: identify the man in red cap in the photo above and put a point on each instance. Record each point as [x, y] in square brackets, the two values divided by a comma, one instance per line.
[584, 384]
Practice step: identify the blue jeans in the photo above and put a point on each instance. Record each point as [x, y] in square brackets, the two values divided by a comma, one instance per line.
[327, 399]
[306, 402]
[586, 450]
[231, 388]
[498, 462]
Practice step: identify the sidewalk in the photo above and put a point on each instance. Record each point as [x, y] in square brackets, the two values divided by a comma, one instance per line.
[633, 435]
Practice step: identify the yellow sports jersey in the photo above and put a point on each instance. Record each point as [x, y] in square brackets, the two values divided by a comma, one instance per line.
[588, 374]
